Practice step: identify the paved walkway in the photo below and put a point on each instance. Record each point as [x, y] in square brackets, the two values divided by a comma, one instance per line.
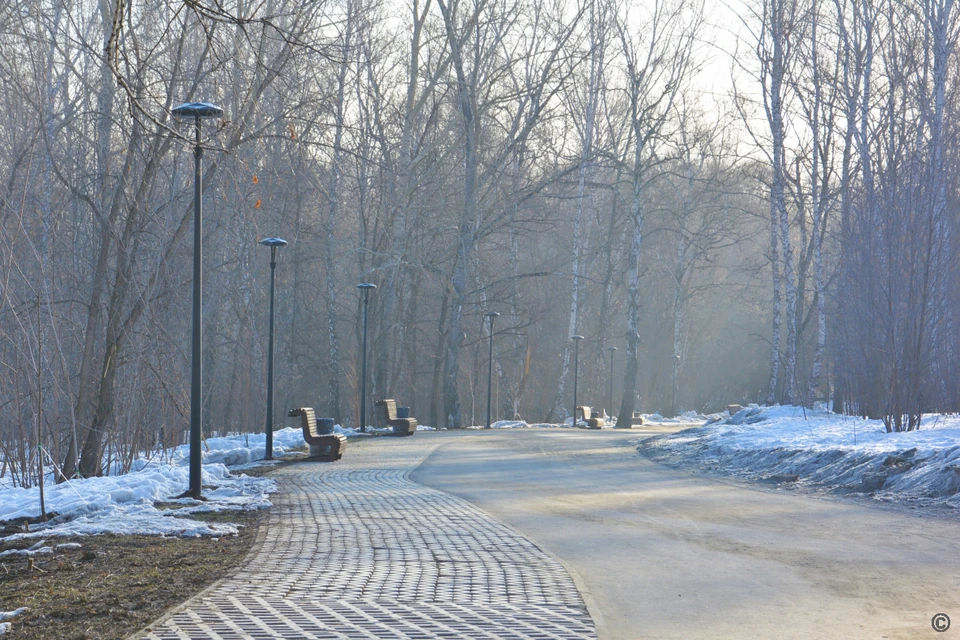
[357, 550]
[663, 554]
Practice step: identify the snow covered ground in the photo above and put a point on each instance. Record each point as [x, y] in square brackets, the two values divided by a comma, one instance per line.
[143, 501]
[818, 449]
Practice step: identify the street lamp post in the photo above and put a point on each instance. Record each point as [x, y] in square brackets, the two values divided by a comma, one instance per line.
[198, 111]
[491, 315]
[365, 286]
[612, 351]
[673, 395]
[576, 372]
[273, 243]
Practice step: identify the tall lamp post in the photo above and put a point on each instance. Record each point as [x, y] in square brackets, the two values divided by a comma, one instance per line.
[491, 315]
[576, 373]
[365, 286]
[198, 111]
[612, 351]
[274, 244]
[673, 395]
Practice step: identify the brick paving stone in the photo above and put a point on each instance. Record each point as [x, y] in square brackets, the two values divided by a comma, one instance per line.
[357, 550]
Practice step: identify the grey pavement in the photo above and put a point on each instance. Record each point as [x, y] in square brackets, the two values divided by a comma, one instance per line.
[355, 549]
[663, 553]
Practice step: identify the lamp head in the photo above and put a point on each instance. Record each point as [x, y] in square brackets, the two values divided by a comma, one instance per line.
[611, 349]
[273, 242]
[366, 285]
[576, 337]
[491, 314]
[197, 110]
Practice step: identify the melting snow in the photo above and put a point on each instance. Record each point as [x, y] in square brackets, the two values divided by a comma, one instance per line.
[143, 501]
[824, 450]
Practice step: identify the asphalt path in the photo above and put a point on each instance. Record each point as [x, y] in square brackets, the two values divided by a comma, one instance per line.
[663, 553]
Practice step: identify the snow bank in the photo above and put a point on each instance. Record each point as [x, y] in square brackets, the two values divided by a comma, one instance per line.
[143, 502]
[823, 450]
[521, 424]
[685, 419]
[509, 424]
[127, 504]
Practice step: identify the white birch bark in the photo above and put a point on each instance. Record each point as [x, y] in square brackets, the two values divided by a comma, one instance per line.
[655, 78]
[586, 154]
[773, 68]
[813, 389]
[679, 311]
[941, 23]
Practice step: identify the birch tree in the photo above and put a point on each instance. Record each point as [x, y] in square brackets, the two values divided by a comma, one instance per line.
[658, 60]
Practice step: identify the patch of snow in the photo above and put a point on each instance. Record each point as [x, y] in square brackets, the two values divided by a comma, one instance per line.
[349, 432]
[39, 548]
[127, 504]
[10, 615]
[819, 449]
[381, 430]
[685, 418]
[509, 424]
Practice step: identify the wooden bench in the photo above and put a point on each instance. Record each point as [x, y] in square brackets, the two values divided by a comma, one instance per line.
[637, 419]
[323, 442]
[401, 426]
[593, 421]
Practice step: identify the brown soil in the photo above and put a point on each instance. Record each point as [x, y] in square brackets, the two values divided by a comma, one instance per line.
[114, 585]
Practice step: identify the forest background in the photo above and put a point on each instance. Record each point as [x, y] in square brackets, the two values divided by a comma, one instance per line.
[570, 164]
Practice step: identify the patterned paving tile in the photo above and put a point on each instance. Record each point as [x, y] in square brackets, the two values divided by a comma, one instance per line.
[357, 550]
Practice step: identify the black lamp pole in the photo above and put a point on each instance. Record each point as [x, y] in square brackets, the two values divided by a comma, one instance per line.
[491, 315]
[273, 243]
[366, 286]
[576, 372]
[612, 350]
[673, 396]
[198, 111]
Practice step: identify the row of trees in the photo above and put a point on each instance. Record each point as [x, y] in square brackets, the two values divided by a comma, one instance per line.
[863, 202]
[555, 161]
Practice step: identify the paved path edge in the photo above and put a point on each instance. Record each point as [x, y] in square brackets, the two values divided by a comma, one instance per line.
[592, 608]
[174, 610]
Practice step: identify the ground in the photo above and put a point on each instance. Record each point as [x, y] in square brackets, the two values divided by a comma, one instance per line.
[113, 585]
[664, 553]
[655, 551]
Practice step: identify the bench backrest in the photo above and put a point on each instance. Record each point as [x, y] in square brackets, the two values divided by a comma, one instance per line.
[390, 407]
[308, 419]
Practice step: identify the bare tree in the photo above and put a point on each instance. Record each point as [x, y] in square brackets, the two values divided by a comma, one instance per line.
[658, 61]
